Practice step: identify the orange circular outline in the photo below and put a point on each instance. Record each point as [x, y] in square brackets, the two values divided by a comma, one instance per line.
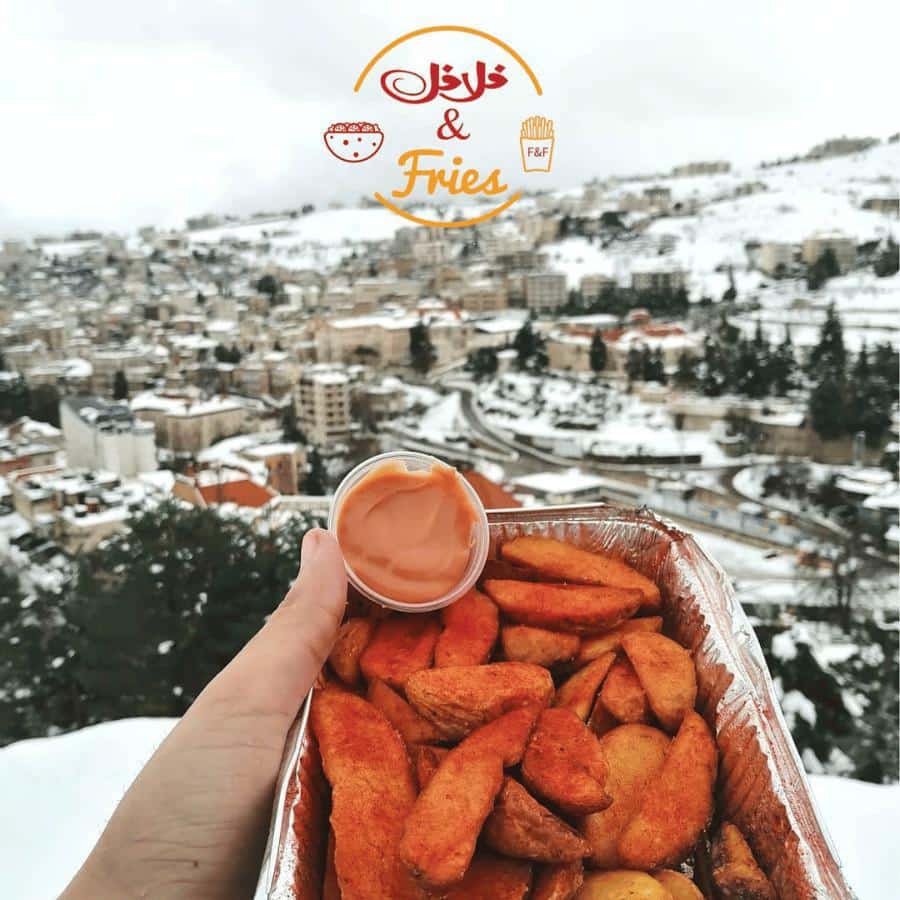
[464, 223]
[465, 29]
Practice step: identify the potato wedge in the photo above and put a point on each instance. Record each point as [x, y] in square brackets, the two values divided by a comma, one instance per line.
[635, 755]
[564, 764]
[521, 827]
[558, 882]
[458, 699]
[578, 693]
[441, 829]
[667, 675]
[679, 886]
[412, 727]
[560, 560]
[622, 884]
[470, 631]
[678, 803]
[735, 871]
[522, 643]
[623, 695]
[400, 646]
[426, 760]
[351, 641]
[601, 720]
[330, 889]
[366, 765]
[598, 644]
[563, 607]
[491, 877]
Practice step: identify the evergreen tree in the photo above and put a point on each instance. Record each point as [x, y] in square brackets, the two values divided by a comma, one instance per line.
[525, 343]
[783, 367]
[2, 361]
[120, 386]
[15, 398]
[726, 332]
[315, 483]
[731, 291]
[827, 407]
[277, 346]
[713, 371]
[220, 353]
[421, 350]
[686, 372]
[887, 262]
[825, 267]
[829, 355]
[44, 404]
[634, 364]
[886, 363]
[234, 355]
[290, 427]
[268, 284]
[598, 352]
[483, 362]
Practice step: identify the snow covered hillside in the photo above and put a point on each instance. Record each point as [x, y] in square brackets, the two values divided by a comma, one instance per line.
[59, 791]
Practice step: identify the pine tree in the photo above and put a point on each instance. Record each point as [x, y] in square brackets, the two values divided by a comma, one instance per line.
[713, 371]
[598, 352]
[827, 407]
[44, 404]
[829, 355]
[220, 353]
[634, 364]
[120, 386]
[290, 427]
[686, 372]
[15, 398]
[314, 485]
[483, 362]
[887, 262]
[783, 367]
[421, 350]
[526, 344]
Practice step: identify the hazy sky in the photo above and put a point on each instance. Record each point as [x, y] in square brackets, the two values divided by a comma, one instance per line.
[117, 114]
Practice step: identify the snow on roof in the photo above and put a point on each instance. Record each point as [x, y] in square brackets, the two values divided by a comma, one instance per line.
[568, 482]
[264, 450]
[182, 407]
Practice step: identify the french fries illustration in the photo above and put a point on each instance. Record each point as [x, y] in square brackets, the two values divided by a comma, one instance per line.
[536, 141]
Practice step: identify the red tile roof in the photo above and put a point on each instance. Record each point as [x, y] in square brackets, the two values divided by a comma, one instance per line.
[243, 493]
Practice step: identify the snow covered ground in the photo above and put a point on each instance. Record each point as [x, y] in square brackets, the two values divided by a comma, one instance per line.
[58, 792]
[610, 423]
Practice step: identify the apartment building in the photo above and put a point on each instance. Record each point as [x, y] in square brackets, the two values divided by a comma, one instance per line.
[890, 206]
[545, 290]
[704, 167]
[658, 278]
[592, 286]
[775, 257]
[842, 246]
[323, 404]
[106, 436]
[483, 296]
[187, 425]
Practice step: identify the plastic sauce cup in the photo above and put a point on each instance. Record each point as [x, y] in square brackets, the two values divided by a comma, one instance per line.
[478, 550]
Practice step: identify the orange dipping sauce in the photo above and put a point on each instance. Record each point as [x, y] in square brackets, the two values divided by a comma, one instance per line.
[408, 535]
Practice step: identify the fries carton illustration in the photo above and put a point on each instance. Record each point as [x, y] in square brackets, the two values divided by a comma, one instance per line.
[536, 143]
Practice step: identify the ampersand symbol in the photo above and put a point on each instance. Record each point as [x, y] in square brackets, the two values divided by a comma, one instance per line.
[447, 129]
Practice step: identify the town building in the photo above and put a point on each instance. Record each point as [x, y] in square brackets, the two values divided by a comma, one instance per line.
[545, 291]
[842, 246]
[189, 424]
[706, 167]
[658, 277]
[775, 258]
[100, 435]
[323, 405]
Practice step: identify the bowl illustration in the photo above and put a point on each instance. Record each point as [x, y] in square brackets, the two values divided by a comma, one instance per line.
[353, 142]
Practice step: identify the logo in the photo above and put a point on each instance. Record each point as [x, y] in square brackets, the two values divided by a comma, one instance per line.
[353, 142]
[444, 165]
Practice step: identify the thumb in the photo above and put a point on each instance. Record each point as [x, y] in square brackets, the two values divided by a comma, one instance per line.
[276, 669]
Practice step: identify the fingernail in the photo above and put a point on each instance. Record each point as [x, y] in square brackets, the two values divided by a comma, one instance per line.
[312, 540]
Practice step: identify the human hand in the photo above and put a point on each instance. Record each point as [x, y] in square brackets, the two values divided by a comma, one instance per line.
[193, 823]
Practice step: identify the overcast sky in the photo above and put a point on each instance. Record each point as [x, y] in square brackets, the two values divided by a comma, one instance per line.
[118, 114]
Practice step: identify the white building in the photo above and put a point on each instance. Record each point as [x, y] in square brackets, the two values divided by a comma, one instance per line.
[106, 436]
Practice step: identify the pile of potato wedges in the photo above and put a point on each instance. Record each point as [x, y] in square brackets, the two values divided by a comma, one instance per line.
[537, 739]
